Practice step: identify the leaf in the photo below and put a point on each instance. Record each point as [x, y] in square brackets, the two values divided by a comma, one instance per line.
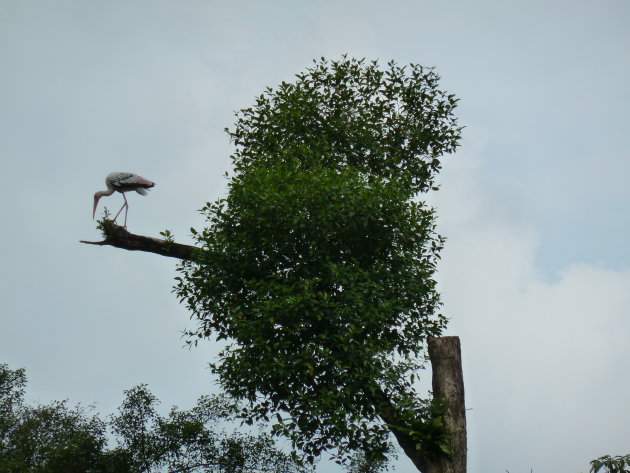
[446, 448]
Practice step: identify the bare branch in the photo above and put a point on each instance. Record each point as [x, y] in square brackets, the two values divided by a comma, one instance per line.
[119, 237]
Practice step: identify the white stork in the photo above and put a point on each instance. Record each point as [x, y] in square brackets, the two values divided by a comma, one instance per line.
[122, 182]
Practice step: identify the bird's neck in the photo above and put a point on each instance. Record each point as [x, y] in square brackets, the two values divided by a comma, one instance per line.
[104, 193]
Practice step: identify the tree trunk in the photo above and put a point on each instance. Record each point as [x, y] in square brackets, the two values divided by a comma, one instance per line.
[448, 384]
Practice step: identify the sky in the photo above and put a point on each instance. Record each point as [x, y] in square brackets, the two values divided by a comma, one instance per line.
[535, 275]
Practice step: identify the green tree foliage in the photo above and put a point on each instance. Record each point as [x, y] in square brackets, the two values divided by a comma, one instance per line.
[11, 398]
[56, 438]
[51, 438]
[195, 438]
[366, 462]
[317, 268]
[392, 124]
[609, 464]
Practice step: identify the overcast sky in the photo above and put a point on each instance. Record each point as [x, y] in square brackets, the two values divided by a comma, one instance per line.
[536, 271]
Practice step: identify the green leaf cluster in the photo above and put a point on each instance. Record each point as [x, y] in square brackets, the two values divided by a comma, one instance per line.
[193, 440]
[317, 268]
[57, 438]
[53, 438]
[610, 464]
[427, 428]
[392, 124]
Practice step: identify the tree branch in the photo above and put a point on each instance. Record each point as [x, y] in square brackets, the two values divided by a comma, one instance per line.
[388, 412]
[119, 237]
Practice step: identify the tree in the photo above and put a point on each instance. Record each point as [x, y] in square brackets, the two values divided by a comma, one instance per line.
[11, 398]
[317, 268]
[57, 438]
[52, 438]
[194, 440]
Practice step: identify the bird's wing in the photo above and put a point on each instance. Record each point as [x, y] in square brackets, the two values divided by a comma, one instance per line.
[119, 180]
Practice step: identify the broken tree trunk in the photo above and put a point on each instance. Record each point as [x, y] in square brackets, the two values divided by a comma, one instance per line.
[448, 384]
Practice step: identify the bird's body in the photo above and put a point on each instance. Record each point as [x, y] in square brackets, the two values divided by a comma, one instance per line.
[122, 182]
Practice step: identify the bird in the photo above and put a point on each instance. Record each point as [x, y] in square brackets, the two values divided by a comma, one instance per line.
[122, 182]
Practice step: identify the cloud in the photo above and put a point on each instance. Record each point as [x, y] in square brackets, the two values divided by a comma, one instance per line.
[545, 356]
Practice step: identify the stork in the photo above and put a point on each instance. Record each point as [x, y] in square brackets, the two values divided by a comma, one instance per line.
[122, 182]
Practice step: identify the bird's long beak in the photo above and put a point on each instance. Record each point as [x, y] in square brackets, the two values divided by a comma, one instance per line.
[96, 199]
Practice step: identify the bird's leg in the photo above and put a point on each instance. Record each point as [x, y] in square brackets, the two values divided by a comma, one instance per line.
[123, 206]
[126, 209]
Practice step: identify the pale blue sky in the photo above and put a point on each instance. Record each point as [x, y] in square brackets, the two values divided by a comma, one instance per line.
[536, 270]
